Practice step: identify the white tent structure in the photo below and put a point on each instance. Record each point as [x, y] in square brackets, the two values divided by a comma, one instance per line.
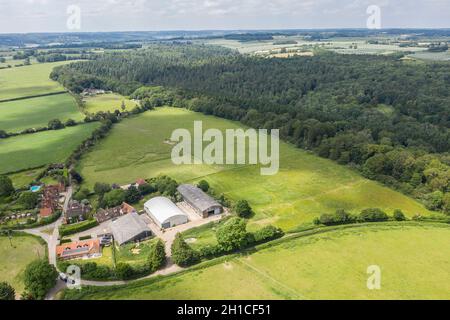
[165, 213]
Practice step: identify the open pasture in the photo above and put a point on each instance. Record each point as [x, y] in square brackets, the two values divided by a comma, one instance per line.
[414, 262]
[305, 186]
[37, 149]
[28, 81]
[107, 102]
[18, 115]
[15, 258]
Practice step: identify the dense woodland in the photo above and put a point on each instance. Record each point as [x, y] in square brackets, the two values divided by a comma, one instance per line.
[387, 117]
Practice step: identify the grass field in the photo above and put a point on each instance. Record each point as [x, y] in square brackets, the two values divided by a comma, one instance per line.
[24, 178]
[28, 81]
[34, 150]
[414, 262]
[107, 102]
[14, 259]
[305, 186]
[37, 112]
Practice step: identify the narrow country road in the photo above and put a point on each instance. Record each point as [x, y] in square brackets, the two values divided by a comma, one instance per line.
[52, 242]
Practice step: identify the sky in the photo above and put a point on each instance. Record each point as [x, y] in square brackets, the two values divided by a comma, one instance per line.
[18, 16]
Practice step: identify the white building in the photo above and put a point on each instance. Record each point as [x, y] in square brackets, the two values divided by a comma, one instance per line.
[165, 213]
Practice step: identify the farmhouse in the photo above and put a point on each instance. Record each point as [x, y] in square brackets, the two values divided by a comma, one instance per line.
[103, 215]
[50, 198]
[129, 228]
[165, 213]
[76, 210]
[202, 203]
[81, 249]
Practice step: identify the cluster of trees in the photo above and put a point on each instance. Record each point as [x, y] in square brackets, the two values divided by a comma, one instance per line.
[112, 195]
[39, 278]
[6, 186]
[387, 118]
[367, 215]
[232, 235]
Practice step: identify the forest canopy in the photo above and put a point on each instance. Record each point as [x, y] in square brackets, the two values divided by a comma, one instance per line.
[387, 117]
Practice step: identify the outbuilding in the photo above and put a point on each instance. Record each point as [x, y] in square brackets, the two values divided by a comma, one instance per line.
[129, 228]
[202, 203]
[165, 213]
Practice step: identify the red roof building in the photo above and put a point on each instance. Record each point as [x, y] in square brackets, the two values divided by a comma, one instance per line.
[81, 249]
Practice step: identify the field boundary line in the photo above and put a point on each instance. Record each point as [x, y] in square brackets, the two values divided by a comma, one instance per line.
[34, 96]
[265, 275]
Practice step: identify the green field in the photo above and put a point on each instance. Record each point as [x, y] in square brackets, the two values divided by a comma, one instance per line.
[37, 149]
[28, 81]
[24, 178]
[305, 186]
[14, 259]
[36, 112]
[414, 262]
[107, 102]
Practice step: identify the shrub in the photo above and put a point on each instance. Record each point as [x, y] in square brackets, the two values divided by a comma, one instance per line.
[204, 185]
[243, 209]
[157, 256]
[55, 124]
[267, 233]
[28, 199]
[101, 188]
[232, 235]
[399, 216]
[70, 123]
[132, 195]
[6, 186]
[114, 198]
[124, 271]
[39, 278]
[82, 194]
[373, 215]
[182, 254]
[339, 217]
[66, 230]
[7, 292]
[210, 251]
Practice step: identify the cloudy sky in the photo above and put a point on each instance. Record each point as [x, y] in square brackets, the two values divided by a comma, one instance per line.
[134, 15]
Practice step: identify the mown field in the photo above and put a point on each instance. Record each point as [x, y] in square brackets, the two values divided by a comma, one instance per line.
[305, 187]
[18, 115]
[414, 262]
[107, 102]
[14, 259]
[37, 149]
[28, 81]
[24, 178]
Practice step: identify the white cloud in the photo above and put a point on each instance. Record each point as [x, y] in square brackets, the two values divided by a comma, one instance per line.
[104, 15]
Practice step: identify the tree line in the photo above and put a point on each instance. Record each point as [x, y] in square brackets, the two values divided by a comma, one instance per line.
[385, 117]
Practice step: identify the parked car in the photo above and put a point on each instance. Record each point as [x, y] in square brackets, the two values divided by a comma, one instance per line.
[63, 277]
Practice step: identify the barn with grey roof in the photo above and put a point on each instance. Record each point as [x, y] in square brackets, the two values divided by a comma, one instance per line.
[129, 228]
[202, 203]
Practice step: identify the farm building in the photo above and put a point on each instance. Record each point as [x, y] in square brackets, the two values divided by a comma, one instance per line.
[103, 215]
[82, 249]
[202, 203]
[165, 213]
[129, 228]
